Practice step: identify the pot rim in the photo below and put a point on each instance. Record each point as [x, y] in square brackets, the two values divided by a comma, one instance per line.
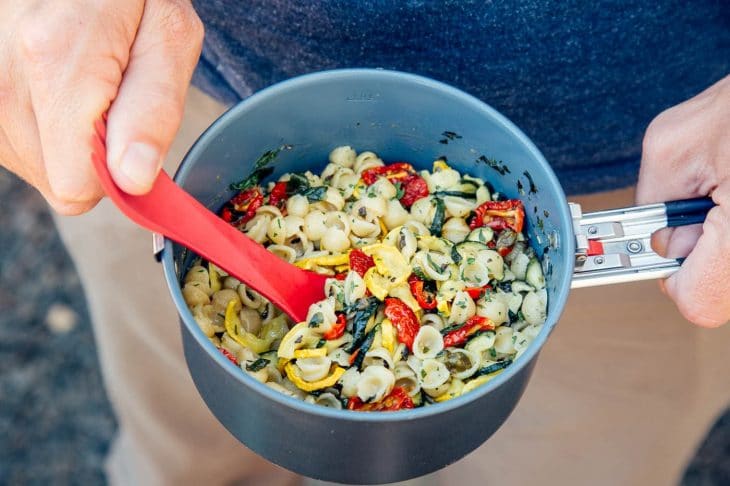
[556, 305]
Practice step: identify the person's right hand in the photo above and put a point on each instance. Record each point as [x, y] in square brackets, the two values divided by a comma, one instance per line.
[66, 63]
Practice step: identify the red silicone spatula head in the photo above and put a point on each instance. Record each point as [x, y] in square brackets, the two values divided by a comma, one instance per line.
[169, 210]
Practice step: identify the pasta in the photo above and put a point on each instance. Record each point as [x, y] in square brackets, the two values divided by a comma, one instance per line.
[433, 289]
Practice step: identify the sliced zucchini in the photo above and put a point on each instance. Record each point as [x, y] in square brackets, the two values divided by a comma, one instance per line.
[469, 249]
[482, 235]
[520, 286]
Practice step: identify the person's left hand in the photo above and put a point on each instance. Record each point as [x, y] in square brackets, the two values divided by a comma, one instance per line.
[686, 153]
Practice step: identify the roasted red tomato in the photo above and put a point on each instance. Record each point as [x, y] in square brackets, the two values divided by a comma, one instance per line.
[414, 188]
[360, 262]
[397, 399]
[230, 356]
[405, 321]
[338, 328]
[277, 197]
[425, 297]
[242, 207]
[474, 324]
[398, 171]
[499, 215]
[476, 292]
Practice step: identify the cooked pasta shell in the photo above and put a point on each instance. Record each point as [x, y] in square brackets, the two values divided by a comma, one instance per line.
[384, 188]
[366, 160]
[474, 272]
[433, 374]
[325, 400]
[493, 308]
[313, 369]
[335, 240]
[256, 228]
[503, 342]
[494, 263]
[534, 307]
[375, 383]
[340, 356]
[395, 214]
[349, 381]
[427, 343]
[343, 155]
[434, 265]
[461, 363]
[433, 320]
[378, 356]
[458, 207]
[462, 308]
[455, 229]
[481, 344]
[423, 210]
[405, 377]
[194, 295]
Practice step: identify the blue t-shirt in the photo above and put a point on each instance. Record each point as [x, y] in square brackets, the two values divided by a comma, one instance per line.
[582, 79]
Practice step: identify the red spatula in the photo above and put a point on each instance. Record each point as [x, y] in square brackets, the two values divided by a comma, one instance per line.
[169, 210]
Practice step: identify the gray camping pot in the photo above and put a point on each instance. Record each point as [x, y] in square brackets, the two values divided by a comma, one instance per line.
[401, 117]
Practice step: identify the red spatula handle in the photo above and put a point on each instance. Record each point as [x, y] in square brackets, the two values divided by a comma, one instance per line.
[169, 210]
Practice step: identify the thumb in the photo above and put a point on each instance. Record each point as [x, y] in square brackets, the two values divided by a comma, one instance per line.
[701, 286]
[146, 114]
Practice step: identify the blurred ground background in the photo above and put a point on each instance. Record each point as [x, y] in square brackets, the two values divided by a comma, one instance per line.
[55, 420]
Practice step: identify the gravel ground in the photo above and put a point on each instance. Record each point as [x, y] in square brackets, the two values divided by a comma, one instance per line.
[55, 420]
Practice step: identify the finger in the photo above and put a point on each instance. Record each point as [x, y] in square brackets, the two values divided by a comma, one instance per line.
[702, 285]
[146, 114]
[676, 242]
[65, 104]
[673, 162]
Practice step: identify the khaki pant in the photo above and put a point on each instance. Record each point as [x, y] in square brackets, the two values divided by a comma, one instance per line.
[623, 392]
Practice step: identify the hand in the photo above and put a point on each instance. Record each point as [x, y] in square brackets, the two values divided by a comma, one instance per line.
[686, 153]
[65, 64]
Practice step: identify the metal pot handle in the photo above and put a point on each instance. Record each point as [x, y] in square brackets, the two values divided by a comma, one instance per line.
[614, 246]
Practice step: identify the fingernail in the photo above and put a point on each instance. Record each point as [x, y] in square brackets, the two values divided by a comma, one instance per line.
[140, 163]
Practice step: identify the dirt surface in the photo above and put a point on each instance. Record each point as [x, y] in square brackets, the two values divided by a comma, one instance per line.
[55, 420]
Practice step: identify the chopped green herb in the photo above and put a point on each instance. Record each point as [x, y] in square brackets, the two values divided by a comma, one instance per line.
[260, 169]
[257, 365]
[315, 194]
[316, 320]
[533, 187]
[399, 191]
[432, 264]
[500, 166]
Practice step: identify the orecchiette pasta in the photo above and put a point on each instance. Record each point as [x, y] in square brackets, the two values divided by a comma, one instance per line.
[433, 287]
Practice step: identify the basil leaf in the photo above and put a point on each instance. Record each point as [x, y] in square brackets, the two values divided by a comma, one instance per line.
[260, 169]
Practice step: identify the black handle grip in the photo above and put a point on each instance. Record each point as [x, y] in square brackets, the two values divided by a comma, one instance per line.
[688, 211]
